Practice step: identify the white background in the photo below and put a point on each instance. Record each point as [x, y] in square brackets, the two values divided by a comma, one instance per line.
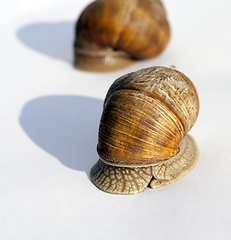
[49, 116]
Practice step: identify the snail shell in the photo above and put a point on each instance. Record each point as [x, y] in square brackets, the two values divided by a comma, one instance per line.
[143, 131]
[113, 34]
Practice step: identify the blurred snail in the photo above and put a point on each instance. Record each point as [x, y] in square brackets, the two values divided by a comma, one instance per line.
[112, 34]
[143, 130]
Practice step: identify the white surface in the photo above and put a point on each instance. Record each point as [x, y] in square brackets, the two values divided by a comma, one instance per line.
[49, 122]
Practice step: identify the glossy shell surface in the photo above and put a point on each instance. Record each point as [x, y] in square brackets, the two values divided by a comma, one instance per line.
[111, 34]
[146, 115]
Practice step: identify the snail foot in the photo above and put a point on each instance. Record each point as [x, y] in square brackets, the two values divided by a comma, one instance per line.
[177, 167]
[101, 61]
[120, 180]
[133, 180]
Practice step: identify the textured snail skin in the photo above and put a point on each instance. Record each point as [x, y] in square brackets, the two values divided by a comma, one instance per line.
[133, 180]
[114, 34]
[143, 131]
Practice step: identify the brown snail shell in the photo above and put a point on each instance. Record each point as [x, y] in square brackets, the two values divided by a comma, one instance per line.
[112, 34]
[143, 131]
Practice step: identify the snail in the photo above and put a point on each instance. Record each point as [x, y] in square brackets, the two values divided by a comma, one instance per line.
[113, 34]
[143, 138]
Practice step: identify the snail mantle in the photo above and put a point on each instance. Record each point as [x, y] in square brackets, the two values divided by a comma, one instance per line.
[143, 138]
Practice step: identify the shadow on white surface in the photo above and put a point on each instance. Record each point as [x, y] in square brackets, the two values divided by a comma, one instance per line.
[50, 38]
[65, 127]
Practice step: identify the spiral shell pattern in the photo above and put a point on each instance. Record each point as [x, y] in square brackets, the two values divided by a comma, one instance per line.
[146, 115]
[138, 28]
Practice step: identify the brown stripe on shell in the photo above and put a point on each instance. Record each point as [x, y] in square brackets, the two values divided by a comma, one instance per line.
[147, 33]
[101, 22]
[169, 86]
[136, 129]
[137, 27]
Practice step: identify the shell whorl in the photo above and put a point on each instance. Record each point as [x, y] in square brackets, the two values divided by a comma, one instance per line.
[146, 115]
[134, 29]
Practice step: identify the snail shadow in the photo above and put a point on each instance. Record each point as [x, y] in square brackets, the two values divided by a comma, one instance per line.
[65, 127]
[52, 39]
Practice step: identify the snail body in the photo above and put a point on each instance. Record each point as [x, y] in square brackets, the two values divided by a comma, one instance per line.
[143, 131]
[114, 34]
